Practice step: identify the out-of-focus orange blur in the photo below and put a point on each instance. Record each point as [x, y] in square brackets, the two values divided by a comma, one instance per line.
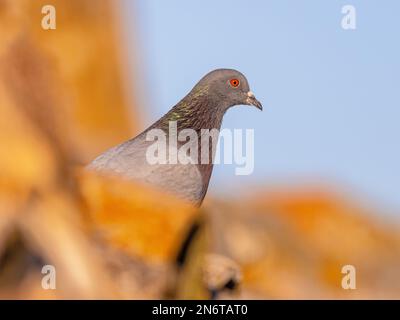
[62, 101]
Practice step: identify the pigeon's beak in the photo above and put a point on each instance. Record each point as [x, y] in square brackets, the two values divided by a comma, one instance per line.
[251, 100]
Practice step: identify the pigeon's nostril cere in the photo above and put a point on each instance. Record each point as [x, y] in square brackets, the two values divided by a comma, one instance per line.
[250, 94]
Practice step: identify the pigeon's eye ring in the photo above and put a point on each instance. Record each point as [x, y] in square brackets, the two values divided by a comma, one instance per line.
[234, 82]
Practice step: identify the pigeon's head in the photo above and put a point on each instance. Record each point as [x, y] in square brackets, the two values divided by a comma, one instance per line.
[228, 87]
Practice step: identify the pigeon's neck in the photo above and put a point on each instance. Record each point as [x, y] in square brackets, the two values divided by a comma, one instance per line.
[196, 111]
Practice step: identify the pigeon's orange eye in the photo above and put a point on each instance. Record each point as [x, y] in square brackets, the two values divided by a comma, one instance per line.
[234, 82]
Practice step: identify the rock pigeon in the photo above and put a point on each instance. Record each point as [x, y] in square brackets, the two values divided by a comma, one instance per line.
[202, 108]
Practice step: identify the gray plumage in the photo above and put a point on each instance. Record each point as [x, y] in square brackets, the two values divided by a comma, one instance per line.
[203, 108]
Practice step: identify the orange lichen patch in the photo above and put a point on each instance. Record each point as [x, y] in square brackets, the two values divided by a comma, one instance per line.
[318, 233]
[330, 222]
[140, 220]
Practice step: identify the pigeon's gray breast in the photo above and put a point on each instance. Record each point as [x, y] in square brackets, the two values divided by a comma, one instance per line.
[129, 160]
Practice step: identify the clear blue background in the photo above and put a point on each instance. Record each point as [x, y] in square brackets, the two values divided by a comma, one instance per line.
[331, 97]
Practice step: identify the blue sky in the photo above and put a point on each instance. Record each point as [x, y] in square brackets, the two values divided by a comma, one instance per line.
[331, 97]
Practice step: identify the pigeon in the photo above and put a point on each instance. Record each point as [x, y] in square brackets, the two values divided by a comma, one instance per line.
[200, 110]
